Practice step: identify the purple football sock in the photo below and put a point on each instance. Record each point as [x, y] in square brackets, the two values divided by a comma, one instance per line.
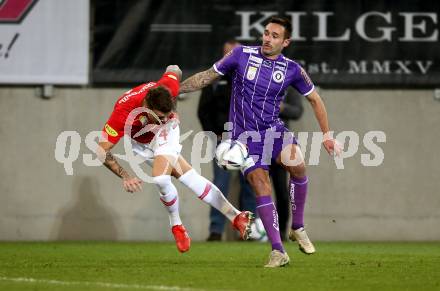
[269, 216]
[298, 193]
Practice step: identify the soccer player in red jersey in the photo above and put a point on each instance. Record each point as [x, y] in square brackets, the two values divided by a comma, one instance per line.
[145, 113]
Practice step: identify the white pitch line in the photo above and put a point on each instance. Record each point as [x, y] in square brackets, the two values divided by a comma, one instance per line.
[99, 284]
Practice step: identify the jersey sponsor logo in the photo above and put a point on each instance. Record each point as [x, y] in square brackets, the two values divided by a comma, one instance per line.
[306, 77]
[267, 64]
[278, 76]
[250, 50]
[124, 99]
[110, 131]
[130, 93]
[251, 73]
[254, 64]
[172, 77]
[255, 59]
[279, 68]
[281, 64]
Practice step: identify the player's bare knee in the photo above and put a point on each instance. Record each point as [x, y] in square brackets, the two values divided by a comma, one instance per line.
[179, 171]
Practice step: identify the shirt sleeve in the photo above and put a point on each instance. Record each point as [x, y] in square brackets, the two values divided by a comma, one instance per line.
[171, 81]
[302, 82]
[228, 62]
[114, 128]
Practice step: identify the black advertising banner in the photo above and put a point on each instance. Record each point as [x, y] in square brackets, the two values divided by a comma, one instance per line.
[340, 43]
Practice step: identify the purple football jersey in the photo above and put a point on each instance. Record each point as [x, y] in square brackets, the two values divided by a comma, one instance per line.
[258, 87]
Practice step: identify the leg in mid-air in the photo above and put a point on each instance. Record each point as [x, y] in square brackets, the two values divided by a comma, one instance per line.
[167, 161]
[260, 182]
[216, 218]
[165, 150]
[210, 194]
[292, 160]
[162, 168]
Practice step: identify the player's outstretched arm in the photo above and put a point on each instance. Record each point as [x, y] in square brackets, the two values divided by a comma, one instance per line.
[319, 109]
[330, 144]
[198, 81]
[130, 184]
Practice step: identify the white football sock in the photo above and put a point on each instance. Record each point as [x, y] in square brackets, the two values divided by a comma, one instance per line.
[209, 193]
[169, 198]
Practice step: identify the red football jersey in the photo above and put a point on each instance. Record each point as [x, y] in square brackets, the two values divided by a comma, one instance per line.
[132, 99]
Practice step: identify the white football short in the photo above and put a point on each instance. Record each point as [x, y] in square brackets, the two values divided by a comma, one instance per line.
[166, 142]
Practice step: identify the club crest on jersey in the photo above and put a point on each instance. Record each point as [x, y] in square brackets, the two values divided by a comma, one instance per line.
[251, 72]
[278, 76]
[143, 119]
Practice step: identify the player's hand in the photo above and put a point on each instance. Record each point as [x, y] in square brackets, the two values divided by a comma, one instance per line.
[331, 145]
[176, 70]
[132, 184]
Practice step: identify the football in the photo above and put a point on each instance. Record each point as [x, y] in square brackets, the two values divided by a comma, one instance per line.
[258, 232]
[231, 155]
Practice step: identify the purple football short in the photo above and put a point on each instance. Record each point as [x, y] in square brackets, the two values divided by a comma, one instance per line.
[264, 147]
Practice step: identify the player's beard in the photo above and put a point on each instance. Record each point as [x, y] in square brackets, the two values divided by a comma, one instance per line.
[269, 51]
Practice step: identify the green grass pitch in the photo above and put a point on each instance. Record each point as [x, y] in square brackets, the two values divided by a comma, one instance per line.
[217, 266]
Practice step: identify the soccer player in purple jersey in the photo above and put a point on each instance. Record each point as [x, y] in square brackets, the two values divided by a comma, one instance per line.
[260, 76]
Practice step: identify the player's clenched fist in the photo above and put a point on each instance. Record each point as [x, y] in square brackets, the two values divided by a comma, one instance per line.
[176, 70]
[132, 184]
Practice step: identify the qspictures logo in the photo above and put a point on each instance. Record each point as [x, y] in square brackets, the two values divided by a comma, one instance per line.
[14, 11]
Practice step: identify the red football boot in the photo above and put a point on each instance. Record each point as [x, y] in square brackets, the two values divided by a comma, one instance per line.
[242, 223]
[183, 241]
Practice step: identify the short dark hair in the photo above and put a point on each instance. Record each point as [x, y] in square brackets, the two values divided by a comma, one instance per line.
[159, 98]
[284, 22]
